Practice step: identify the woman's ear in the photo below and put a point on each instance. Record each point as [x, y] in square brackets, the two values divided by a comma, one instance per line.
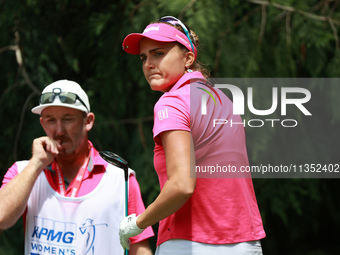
[190, 59]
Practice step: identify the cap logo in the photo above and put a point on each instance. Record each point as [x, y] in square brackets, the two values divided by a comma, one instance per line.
[150, 28]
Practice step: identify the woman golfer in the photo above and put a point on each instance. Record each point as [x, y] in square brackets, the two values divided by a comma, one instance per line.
[202, 208]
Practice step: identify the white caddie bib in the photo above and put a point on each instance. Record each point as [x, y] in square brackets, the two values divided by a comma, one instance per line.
[85, 225]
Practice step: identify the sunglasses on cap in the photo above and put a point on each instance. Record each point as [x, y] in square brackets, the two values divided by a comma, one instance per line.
[174, 21]
[64, 97]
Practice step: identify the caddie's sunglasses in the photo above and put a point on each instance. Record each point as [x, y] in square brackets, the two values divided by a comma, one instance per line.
[174, 21]
[64, 97]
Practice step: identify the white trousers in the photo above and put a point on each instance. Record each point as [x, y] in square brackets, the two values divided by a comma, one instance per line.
[185, 247]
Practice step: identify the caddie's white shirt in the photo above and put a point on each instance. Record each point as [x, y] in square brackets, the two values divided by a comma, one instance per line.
[85, 225]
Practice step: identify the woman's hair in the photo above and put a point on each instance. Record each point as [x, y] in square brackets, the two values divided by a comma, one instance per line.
[196, 65]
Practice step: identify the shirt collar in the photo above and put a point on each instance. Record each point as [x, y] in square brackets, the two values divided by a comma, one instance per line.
[186, 78]
[95, 158]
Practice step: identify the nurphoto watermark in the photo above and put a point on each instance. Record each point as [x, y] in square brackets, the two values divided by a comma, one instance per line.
[231, 112]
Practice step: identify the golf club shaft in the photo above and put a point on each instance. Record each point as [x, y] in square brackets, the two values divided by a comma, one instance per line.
[118, 161]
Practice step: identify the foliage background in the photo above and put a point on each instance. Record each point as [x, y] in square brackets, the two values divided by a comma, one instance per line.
[80, 40]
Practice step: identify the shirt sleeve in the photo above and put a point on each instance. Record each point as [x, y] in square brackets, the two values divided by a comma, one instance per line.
[136, 206]
[172, 112]
[11, 173]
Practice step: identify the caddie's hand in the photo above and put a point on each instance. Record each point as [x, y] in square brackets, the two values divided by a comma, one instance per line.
[128, 228]
[44, 149]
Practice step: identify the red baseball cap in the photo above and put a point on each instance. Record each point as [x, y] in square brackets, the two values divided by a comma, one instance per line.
[159, 32]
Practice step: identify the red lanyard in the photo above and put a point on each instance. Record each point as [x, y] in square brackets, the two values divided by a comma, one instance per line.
[76, 183]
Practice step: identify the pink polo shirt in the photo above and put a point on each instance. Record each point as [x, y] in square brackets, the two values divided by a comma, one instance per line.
[222, 210]
[95, 170]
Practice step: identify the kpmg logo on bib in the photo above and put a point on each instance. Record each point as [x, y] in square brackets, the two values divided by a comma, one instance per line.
[88, 229]
[56, 237]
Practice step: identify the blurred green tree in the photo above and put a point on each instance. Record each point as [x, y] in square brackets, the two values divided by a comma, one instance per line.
[43, 41]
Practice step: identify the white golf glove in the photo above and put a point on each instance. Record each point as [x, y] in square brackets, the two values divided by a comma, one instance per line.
[128, 228]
